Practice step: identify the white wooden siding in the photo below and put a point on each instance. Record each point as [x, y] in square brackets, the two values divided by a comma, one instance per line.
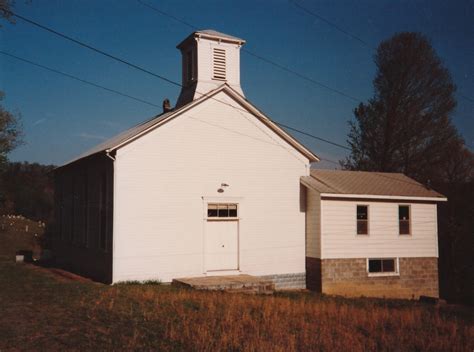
[205, 64]
[160, 180]
[339, 238]
[313, 224]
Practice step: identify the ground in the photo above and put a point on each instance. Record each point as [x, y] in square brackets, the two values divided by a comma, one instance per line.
[41, 309]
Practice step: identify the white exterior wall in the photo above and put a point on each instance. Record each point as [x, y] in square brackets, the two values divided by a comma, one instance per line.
[205, 65]
[162, 177]
[340, 240]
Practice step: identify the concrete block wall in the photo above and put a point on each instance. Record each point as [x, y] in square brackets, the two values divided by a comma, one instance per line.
[349, 277]
[287, 281]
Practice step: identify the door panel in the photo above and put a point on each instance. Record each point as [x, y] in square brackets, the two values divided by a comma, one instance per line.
[222, 250]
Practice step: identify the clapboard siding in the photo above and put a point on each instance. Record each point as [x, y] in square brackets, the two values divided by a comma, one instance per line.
[313, 224]
[339, 238]
[162, 177]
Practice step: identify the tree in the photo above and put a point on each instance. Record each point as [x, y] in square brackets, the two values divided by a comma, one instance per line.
[29, 190]
[406, 126]
[5, 6]
[10, 132]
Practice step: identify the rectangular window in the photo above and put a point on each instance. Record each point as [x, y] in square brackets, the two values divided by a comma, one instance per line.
[404, 219]
[103, 212]
[362, 220]
[221, 210]
[380, 266]
[73, 210]
[85, 209]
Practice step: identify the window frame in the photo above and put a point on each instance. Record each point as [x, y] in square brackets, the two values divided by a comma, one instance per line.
[396, 265]
[410, 231]
[218, 218]
[368, 220]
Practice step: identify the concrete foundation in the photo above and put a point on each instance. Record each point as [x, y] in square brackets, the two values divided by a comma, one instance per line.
[349, 277]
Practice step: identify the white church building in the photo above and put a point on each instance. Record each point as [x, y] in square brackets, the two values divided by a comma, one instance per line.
[209, 187]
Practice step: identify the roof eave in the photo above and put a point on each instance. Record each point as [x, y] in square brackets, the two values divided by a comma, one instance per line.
[376, 196]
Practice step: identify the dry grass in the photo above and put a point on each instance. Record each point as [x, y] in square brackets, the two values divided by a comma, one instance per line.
[41, 312]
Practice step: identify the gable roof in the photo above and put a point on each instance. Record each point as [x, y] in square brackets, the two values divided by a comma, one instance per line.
[363, 184]
[149, 125]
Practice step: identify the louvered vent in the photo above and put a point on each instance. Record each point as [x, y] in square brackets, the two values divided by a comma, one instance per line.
[219, 64]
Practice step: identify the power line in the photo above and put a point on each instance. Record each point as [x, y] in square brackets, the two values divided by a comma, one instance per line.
[259, 57]
[78, 79]
[96, 85]
[168, 15]
[313, 136]
[92, 48]
[347, 33]
[99, 51]
[332, 24]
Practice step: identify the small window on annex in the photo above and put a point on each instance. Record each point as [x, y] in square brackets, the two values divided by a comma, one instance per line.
[382, 266]
[362, 219]
[404, 219]
[221, 210]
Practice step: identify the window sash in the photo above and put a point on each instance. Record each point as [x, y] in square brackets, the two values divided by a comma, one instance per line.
[404, 226]
[362, 216]
[222, 210]
[382, 266]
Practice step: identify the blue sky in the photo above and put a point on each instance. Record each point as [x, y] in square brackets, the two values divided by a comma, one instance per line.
[62, 117]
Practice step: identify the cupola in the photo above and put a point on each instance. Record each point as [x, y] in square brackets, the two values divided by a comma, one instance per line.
[209, 59]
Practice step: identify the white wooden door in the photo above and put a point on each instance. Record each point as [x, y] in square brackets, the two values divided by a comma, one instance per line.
[222, 249]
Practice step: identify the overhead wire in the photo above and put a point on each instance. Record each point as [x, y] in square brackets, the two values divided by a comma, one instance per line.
[347, 33]
[102, 52]
[77, 78]
[258, 56]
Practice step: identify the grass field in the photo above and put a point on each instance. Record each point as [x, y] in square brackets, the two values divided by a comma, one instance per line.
[40, 310]
[43, 311]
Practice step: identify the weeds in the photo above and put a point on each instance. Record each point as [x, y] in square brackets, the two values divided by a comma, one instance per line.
[40, 312]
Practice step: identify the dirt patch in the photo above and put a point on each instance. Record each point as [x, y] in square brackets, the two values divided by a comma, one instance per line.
[60, 274]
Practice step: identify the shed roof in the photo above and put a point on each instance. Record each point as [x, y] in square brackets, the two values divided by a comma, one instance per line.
[363, 183]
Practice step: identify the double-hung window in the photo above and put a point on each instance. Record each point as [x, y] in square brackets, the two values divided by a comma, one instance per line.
[362, 219]
[404, 227]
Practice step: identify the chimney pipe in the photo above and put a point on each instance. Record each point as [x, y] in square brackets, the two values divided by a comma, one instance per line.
[166, 105]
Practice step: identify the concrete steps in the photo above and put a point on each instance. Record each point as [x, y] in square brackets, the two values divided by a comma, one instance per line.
[229, 283]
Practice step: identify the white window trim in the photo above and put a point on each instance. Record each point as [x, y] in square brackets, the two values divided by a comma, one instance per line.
[397, 267]
[222, 200]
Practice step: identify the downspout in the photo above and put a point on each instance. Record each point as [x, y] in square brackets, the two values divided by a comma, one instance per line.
[114, 218]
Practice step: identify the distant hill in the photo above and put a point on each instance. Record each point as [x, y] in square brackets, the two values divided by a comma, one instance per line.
[27, 189]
